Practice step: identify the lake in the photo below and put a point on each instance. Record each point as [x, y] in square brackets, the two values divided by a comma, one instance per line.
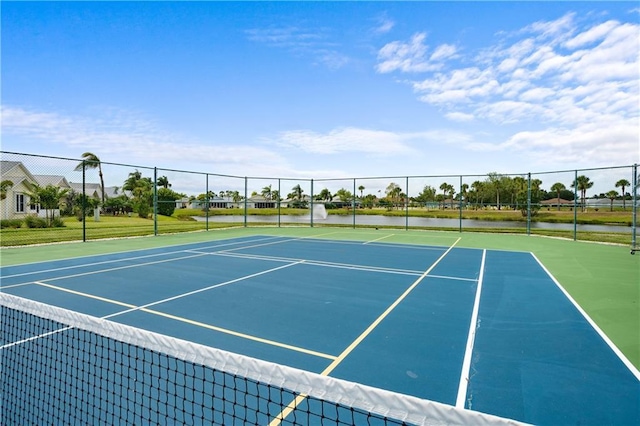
[415, 222]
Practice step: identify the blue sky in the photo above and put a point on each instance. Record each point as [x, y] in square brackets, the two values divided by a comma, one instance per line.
[315, 89]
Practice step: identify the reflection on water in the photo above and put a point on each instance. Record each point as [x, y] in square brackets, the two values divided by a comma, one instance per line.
[415, 222]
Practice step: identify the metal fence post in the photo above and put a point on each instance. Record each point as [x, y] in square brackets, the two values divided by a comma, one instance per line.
[460, 207]
[575, 205]
[245, 201]
[311, 204]
[528, 203]
[634, 213]
[206, 202]
[84, 202]
[155, 201]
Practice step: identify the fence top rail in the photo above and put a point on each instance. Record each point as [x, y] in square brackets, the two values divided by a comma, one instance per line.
[327, 179]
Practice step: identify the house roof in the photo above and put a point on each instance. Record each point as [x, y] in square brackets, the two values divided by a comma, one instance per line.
[8, 171]
[556, 201]
[45, 180]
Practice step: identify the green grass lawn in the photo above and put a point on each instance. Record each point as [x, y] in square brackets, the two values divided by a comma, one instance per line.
[181, 221]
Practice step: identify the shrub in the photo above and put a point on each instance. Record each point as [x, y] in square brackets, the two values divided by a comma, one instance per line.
[11, 223]
[57, 222]
[35, 222]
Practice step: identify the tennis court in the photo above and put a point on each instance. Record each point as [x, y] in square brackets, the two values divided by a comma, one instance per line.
[481, 330]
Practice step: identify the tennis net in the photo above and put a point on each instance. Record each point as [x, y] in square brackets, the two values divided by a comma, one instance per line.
[64, 367]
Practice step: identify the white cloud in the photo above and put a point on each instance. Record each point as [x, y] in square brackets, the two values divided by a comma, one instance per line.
[309, 41]
[459, 116]
[384, 25]
[412, 56]
[553, 82]
[346, 139]
[126, 137]
[444, 51]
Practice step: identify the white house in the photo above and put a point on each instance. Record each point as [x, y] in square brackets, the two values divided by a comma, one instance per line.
[16, 203]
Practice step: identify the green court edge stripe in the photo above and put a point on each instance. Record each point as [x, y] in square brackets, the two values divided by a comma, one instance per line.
[293, 404]
[471, 337]
[593, 324]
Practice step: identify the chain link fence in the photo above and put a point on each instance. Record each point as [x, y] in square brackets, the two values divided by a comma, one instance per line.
[51, 199]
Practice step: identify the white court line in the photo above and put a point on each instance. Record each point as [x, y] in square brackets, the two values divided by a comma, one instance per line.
[277, 420]
[602, 334]
[473, 327]
[146, 308]
[84, 265]
[319, 263]
[108, 270]
[378, 239]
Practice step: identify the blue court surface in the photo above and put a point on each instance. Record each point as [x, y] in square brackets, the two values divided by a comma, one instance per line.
[486, 330]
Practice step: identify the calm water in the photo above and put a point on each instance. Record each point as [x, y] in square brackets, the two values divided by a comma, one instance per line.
[416, 221]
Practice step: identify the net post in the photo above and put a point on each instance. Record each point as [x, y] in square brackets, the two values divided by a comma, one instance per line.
[528, 203]
[155, 201]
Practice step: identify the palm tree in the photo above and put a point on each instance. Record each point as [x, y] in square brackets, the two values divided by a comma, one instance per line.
[518, 184]
[91, 161]
[447, 189]
[361, 189]
[612, 195]
[163, 181]
[5, 186]
[496, 181]
[582, 183]
[557, 188]
[478, 188]
[623, 183]
[267, 192]
[324, 195]
[132, 181]
[296, 192]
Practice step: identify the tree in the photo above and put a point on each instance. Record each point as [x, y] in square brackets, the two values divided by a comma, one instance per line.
[464, 190]
[558, 187]
[163, 181]
[497, 182]
[361, 189]
[267, 192]
[167, 201]
[344, 195]
[324, 195]
[393, 192]
[518, 184]
[428, 194]
[582, 183]
[447, 189]
[48, 198]
[478, 189]
[91, 161]
[623, 183]
[296, 196]
[5, 186]
[612, 195]
[142, 190]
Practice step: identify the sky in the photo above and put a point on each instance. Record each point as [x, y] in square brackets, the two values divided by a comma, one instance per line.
[325, 89]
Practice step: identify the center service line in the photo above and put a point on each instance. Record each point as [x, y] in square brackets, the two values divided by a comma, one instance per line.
[473, 327]
[293, 404]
